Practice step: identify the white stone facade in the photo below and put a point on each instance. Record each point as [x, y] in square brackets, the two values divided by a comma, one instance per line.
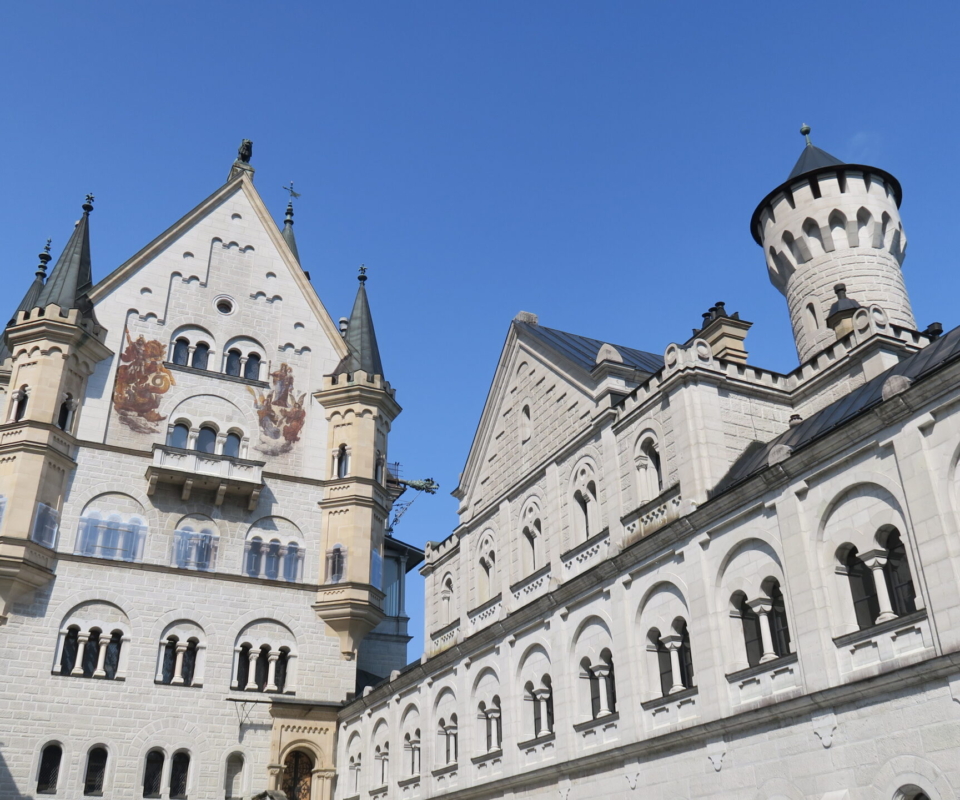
[623, 609]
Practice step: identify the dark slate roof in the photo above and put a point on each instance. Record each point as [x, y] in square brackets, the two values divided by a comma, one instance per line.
[29, 301]
[583, 350]
[813, 158]
[916, 367]
[361, 338]
[71, 278]
[287, 232]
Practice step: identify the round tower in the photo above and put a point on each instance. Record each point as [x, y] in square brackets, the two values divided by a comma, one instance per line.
[831, 223]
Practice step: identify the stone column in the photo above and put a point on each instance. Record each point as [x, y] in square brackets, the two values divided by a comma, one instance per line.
[541, 696]
[237, 655]
[877, 560]
[103, 642]
[82, 638]
[672, 643]
[252, 671]
[763, 607]
[602, 674]
[275, 772]
[493, 720]
[272, 671]
[178, 666]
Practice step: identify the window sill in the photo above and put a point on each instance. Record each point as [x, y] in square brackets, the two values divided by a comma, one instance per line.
[866, 634]
[179, 685]
[413, 780]
[599, 722]
[209, 373]
[498, 753]
[760, 669]
[670, 698]
[545, 739]
[378, 790]
[445, 770]
[115, 679]
[257, 697]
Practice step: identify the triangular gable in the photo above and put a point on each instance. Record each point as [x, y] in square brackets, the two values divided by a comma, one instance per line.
[245, 184]
[570, 378]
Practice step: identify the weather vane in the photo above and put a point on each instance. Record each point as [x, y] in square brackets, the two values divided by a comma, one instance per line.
[46, 247]
[363, 273]
[293, 195]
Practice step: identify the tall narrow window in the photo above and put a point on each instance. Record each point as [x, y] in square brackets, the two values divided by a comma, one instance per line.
[896, 572]
[206, 440]
[178, 436]
[152, 773]
[584, 514]
[254, 557]
[96, 771]
[20, 399]
[812, 317]
[68, 657]
[298, 775]
[200, 355]
[233, 363]
[181, 352]
[66, 411]
[111, 661]
[233, 778]
[179, 767]
[231, 446]
[49, 772]
[863, 590]
[342, 458]
[663, 663]
[752, 635]
[526, 426]
[272, 566]
[653, 456]
[336, 563]
[251, 370]
[291, 563]
[686, 658]
[378, 469]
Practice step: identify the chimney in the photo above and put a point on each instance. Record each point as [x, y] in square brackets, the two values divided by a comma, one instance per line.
[841, 313]
[724, 333]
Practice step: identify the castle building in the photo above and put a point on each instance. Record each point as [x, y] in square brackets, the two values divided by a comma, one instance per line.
[675, 574]
[681, 575]
[194, 495]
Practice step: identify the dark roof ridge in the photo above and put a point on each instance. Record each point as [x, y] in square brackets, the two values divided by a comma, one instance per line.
[582, 350]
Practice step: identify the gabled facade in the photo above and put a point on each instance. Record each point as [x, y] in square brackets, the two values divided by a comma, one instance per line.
[687, 576]
[182, 510]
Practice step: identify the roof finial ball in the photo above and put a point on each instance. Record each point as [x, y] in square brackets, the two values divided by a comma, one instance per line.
[362, 277]
[805, 132]
[88, 204]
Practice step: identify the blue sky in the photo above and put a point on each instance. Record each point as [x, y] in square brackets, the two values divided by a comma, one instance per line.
[596, 163]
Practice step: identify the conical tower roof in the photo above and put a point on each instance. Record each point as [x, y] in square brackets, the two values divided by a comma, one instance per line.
[287, 232]
[361, 338]
[72, 276]
[811, 159]
[29, 299]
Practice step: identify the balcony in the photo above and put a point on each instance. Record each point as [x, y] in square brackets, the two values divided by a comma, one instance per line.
[191, 469]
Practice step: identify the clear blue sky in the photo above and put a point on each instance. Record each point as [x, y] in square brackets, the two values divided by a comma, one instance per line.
[595, 162]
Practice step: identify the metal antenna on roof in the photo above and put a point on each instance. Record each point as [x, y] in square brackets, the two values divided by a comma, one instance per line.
[805, 131]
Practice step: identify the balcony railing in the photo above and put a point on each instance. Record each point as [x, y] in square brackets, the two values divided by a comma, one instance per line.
[191, 469]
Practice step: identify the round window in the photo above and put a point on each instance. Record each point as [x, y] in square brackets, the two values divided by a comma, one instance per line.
[224, 305]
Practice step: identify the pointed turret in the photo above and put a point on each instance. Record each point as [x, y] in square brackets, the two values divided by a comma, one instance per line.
[287, 232]
[72, 277]
[361, 338]
[30, 298]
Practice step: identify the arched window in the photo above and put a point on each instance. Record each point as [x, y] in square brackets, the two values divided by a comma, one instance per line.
[531, 536]
[232, 367]
[111, 537]
[541, 706]
[778, 621]
[336, 564]
[355, 762]
[650, 451]
[863, 590]
[152, 773]
[20, 399]
[291, 563]
[491, 724]
[686, 657]
[231, 445]
[65, 415]
[179, 661]
[251, 370]
[254, 558]
[382, 755]
[181, 352]
[526, 425]
[586, 519]
[95, 773]
[488, 576]
[297, 775]
[342, 461]
[71, 646]
[206, 440]
[49, 772]
[752, 634]
[674, 657]
[195, 550]
[201, 353]
[446, 602]
[91, 654]
[179, 771]
[896, 572]
[233, 778]
[378, 468]
[272, 566]
[448, 739]
[178, 436]
[599, 679]
[411, 743]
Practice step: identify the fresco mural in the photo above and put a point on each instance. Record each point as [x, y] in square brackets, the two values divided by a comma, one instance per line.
[280, 413]
[141, 382]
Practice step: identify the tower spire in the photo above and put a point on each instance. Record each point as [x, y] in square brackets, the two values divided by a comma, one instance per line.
[72, 277]
[30, 298]
[361, 338]
[287, 231]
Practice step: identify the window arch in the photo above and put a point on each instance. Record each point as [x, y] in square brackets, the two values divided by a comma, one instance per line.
[93, 642]
[178, 435]
[863, 588]
[600, 682]
[586, 515]
[531, 539]
[540, 697]
[95, 772]
[182, 655]
[153, 773]
[181, 351]
[116, 536]
[48, 775]
[179, 775]
[232, 365]
[274, 550]
[411, 743]
[201, 355]
[336, 564]
[763, 621]
[231, 445]
[446, 600]
[487, 572]
[381, 754]
[449, 745]
[674, 657]
[206, 440]
[648, 467]
[251, 370]
[264, 659]
[233, 777]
